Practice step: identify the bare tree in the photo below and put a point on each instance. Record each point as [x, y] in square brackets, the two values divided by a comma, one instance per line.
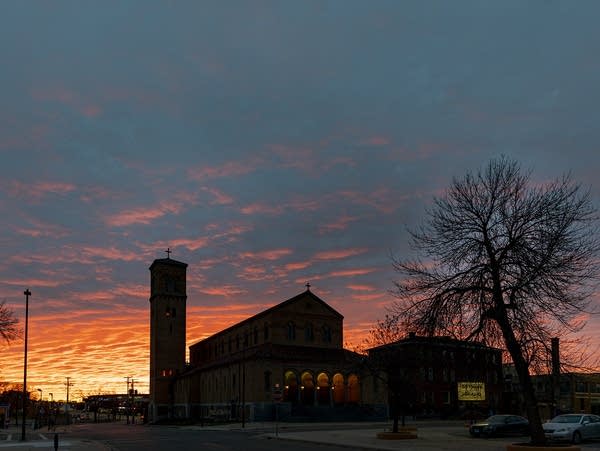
[503, 261]
[9, 329]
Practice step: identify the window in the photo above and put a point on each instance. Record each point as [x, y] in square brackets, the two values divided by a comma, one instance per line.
[445, 397]
[326, 334]
[291, 331]
[308, 332]
[267, 380]
[246, 338]
[255, 335]
[237, 342]
[445, 377]
[430, 374]
[266, 332]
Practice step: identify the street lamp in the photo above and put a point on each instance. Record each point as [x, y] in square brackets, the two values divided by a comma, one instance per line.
[40, 390]
[27, 293]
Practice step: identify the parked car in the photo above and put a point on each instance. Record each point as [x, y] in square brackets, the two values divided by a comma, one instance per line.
[500, 425]
[573, 427]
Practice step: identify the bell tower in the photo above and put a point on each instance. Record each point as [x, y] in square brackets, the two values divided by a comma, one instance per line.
[167, 332]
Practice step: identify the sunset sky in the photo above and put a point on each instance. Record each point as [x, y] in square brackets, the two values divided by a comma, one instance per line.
[267, 143]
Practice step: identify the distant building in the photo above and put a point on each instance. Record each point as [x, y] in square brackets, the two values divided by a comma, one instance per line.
[577, 393]
[427, 372]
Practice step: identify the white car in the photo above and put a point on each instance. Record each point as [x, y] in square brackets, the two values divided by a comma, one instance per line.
[573, 427]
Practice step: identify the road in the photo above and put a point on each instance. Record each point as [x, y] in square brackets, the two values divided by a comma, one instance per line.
[432, 436]
[121, 437]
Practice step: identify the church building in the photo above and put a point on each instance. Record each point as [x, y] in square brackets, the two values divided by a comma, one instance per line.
[291, 355]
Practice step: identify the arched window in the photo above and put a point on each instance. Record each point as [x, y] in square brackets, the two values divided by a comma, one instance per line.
[291, 330]
[353, 389]
[309, 334]
[290, 392]
[323, 389]
[326, 334]
[339, 397]
[307, 388]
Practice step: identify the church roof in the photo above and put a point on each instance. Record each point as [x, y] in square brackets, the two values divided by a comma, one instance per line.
[167, 261]
[305, 294]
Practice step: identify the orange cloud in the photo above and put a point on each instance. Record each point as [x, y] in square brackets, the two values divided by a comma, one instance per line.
[340, 224]
[225, 290]
[229, 169]
[378, 141]
[220, 197]
[342, 253]
[340, 273]
[37, 190]
[111, 253]
[355, 287]
[296, 266]
[274, 254]
[261, 209]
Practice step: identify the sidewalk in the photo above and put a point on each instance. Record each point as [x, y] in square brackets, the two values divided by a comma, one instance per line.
[432, 435]
[40, 439]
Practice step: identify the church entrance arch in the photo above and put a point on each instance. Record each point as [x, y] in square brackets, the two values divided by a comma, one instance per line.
[290, 392]
[307, 395]
[338, 389]
[323, 390]
[353, 389]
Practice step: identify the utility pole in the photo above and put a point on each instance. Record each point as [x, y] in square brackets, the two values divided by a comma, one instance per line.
[127, 400]
[132, 402]
[68, 384]
[27, 293]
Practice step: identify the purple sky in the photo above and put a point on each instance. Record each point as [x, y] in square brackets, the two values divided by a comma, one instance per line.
[267, 143]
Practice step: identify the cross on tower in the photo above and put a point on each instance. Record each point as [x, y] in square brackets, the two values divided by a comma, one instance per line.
[168, 251]
[307, 286]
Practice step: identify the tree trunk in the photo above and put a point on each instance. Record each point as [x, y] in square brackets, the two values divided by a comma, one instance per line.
[522, 368]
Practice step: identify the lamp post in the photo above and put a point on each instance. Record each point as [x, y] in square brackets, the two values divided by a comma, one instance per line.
[27, 293]
[38, 416]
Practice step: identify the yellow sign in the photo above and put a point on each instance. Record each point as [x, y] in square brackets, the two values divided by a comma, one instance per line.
[471, 391]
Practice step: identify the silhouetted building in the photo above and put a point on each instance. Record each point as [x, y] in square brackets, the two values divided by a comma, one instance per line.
[427, 372]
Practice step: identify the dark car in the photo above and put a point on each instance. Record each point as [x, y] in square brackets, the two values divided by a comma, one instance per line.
[499, 425]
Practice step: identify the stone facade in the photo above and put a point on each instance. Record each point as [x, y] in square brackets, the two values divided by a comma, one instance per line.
[290, 355]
